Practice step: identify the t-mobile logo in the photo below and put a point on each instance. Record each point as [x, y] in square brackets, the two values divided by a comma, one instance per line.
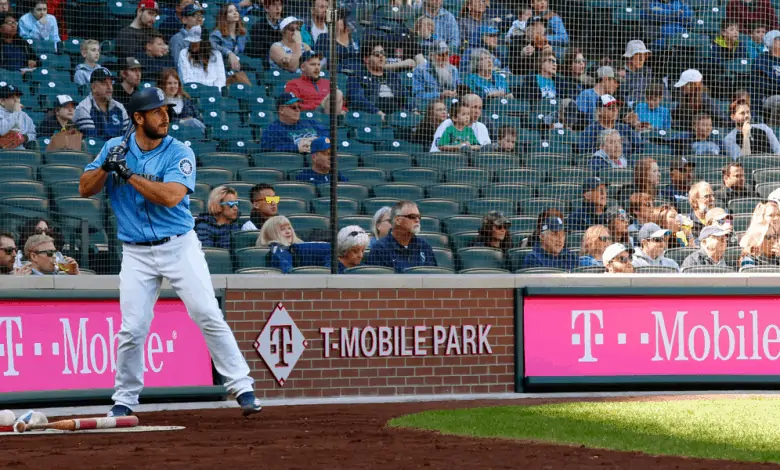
[586, 337]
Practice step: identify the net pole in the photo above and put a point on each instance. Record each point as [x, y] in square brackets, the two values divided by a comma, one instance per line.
[334, 114]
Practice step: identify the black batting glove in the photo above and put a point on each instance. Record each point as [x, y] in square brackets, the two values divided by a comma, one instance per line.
[121, 169]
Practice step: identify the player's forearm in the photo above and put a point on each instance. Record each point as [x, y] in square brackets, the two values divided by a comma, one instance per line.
[92, 182]
[162, 194]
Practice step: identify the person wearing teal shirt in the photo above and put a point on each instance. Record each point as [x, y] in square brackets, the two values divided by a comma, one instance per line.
[482, 80]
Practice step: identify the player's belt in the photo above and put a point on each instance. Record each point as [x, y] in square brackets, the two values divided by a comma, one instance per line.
[156, 242]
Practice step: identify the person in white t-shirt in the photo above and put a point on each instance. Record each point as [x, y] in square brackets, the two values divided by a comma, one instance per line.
[474, 103]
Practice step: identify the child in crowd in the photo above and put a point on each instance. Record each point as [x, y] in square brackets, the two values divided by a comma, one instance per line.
[90, 51]
[650, 111]
[704, 142]
[459, 136]
[507, 139]
[755, 43]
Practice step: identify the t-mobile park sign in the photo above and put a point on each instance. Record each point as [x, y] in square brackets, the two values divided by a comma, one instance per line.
[591, 336]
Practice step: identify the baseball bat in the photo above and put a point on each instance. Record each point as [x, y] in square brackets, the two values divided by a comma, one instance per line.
[81, 424]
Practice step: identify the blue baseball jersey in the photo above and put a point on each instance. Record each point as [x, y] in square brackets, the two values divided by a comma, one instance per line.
[139, 220]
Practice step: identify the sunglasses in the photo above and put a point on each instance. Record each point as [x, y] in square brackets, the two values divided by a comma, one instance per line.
[501, 227]
[48, 253]
[605, 239]
[272, 199]
[9, 250]
[768, 237]
[378, 54]
[658, 239]
[410, 216]
[356, 233]
[231, 204]
[622, 259]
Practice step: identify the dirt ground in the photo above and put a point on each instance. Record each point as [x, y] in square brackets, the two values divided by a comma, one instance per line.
[317, 437]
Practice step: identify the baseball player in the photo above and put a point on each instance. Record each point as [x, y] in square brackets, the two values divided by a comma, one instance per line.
[149, 177]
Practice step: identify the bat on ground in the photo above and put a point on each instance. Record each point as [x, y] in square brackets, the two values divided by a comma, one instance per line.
[80, 424]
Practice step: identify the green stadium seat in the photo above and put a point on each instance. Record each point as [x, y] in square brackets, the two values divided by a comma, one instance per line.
[454, 191]
[430, 224]
[278, 160]
[348, 161]
[482, 206]
[356, 119]
[214, 176]
[546, 161]
[22, 188]
[202, 191]
[522, 224]
[400, 191]
[54, 173]
[373, 135]
[512, 191]
[520, 176]
[373, 204]
[345, 206]
[462, 223]
[679, 254]
[742, 222]
[310, 270]
[533, 206]
[203, 92]
[764, 189]
[404, 120]
[462, 240]
[474, 176]
[232, 161]
[365, 269]
[243, 239]
[20, 157]
[67, 189]
[367, 176]
[241, 187]
[65, 157]
[573, 175]
[574, 239]
[93, 146]
[766, 175]
[484, 271]
[743, 206]
[444, 258]
[16, 173]
[197, 206]
[305, 223]
[19, 206]
[70, 211]
[480, 257]
[618, 176]
[355, 147]
[258, 271]
[428, 270]
[260, 175]
[496, 161]
[420, 176]
[200, 147]
[439, 208]
[354, 191]
[362, 221]
[441, 160]
[565, 191]
[296, 190]
[707, 270]
[540, 270]
[218, 260]
[387, 160]
[436, 240]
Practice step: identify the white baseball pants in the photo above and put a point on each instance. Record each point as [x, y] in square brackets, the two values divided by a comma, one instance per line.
[183, 263]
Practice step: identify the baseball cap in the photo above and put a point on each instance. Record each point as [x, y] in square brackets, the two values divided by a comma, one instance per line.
[7, 90]
[439, 47]
[320, 144]
[488, 31]
[712, 231]
[131, 63]
[612, 251]
[680, 163]
[497, 218]
[553, 224]
[774, 196]
[148, 5]
[769, 38]
[62, 100]
[306, 55]
[192, 9]
[608, 101]
[98, 75]
[689, 76]
[592, 183]
[716, 214]
[286, 99]
[147, 99]
[615, 212]
[605, 72]
[194, 34]
[635, 47]
[651, 230]
[288, 21]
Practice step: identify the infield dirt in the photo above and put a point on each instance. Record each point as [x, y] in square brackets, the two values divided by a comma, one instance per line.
[320, 437]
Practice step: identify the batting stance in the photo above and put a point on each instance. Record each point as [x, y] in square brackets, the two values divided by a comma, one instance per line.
[148, 176]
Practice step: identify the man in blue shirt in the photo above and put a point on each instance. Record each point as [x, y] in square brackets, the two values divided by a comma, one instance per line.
[594, 202]
[99, 115]
[319, 173]
[149, 180]
[550, 252]
[402, 248]
[290, 133]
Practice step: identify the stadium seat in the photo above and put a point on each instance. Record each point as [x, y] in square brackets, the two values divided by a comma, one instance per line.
[766, 175]
[474, 176]
[596, 270]
[652, 270]
[65, 157]
[387, 161]
[453, 191]
[348, 161]
[484, 271]
[356, 119]
[742, 221]
[441, 160]
[764, 189]
[93, 146]
[515, 257]
[399, 191]
[67, 189]
[707, 270]
[242, 188]
[344, 206]
[16, 173]
[278, 160]
[71, 210]
[20, 157]
[533, 206]
[310, 270]
[679, 254]
[462, 240]
[428, 270]
[617, 176]
[200, 147]
[540, 270]
[260, 175]
[462, 223]
[546, 161]
[572, 175]
[436, 240]
[54, 173]
[520, 176]
[373, 204]
[232, 161]
[362, 221]
[218, 260]
[197, 206]
[367, 176]
[373, 135]
[355, 147]
[288, 206]
[743, 206]
[761, 269]
[512, 191]
[243, 239]
[354, 191]
[444, 258]
[296, 190]
[564, 191]
[364, 269]
[496, 161]
[305, 223]
[439, 208]
[258, 271]
[214, 176]
[480, 257]
[482, 206]
[22, 188]
[420, 176]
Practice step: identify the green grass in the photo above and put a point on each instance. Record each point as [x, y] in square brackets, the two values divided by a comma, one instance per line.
[734, 429]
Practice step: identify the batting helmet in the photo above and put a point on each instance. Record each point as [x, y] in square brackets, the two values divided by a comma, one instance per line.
[146, 99]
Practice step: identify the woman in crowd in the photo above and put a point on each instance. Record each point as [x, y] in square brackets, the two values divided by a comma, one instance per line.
[347, 49]
[761, 242]
[494, 232]
[483, 80]
[198, 63]
[617, 223]
[640, 208]
[647, 180]
[435, 114]
[289, 251]
[380, 224]
[37, 226]
[594, 242]
[183, 111]
[229, 37]
[610, 153]
[286, 54]
[352, 244]
[667, 217]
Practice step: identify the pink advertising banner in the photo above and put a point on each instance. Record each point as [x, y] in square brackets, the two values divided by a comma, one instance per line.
[611, 336]
[71, 345]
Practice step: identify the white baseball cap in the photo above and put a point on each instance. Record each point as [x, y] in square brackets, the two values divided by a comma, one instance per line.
[689, 76]
[635, 47]
[612, 251]
[769, 38]
[62, 100]
[288, 21]
[774, 196]
[194, 34]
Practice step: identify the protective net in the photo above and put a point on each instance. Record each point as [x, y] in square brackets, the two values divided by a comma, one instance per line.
[525, 136]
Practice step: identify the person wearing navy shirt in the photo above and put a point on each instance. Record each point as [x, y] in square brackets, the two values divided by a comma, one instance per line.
[290, 133]
[402, 248]
[551, 251]
[319, 173]
[149, 187]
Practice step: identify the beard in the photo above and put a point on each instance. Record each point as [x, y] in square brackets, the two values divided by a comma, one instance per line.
[155, 132]
[444, 76]
[415, 230]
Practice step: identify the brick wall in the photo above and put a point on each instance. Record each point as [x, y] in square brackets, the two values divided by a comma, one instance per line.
[315, 375]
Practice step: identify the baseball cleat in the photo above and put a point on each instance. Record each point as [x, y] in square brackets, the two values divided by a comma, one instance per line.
[119, 410]
[249, 404]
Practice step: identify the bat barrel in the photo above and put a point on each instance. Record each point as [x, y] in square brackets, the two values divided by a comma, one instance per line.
[81, 424]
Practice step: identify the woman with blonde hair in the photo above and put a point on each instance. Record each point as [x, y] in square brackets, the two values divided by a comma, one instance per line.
[761, 242]
[287, 250]
[214, 228]
[594, 242]
[380, 224]
[277, 230]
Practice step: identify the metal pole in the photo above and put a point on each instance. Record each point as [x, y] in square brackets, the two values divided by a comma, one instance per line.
[84, 232]
[334, 141]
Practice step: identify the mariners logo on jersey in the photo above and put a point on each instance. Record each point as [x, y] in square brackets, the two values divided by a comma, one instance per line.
[185, 166]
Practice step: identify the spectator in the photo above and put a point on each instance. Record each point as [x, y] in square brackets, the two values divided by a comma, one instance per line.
[617, 259]
[650, 112]
[747, 12]
[748, 138]
[173, 23]
[666, 18]
[62, 118]
[713, 242]
[347, 50]
[765, 82]
[647, 179]
[402, 248]
[16, 127]
[314, 90]
[702, 199]
[8, 253]
[544, 84]
[694, 100]
[380, 224]
[192, 16]
[198, 63]
[652, 246]
[494, 232]
[39, 25]
[130, 41]
[594, 203]
[37, 226]
[558, 35]
[755, 42]
[681, 173]
[472, 20]
[616, 220]
[310, 32]
[229, 37]
[40, 250]
[90, 51]
[435, 114]
[156, 57]
[483, 80]
[733, 184]
[588, 101]
[5, 6]
[446, 27]
[637, 76]
[319, 173]
[574, 78]
[550, 252]
[721, 218]
[286, 54]
[489, 42]
[215, 227]
[352, 244]
[666, 216]
[727, 46]
[424, 33]
[535, 237]
[15, 53]
[610, 153]
[459, 136]
[606, 119]
[507, 140]
[374, 90]
[287, 250]
[131, 79]
[595, 240]
[524, 49]
[182, 110]
[265, 204]
[266, 31]
[703, 140]
[474, 104]
[436, 78]
[98, 115]
[760, 242]
[640, 208]
[290, 133]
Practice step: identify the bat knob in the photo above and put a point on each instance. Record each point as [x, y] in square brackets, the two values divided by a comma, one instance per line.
[20, 427]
